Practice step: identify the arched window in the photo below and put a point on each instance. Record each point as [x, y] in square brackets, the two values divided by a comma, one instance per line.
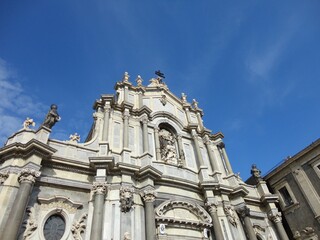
[168, 144]
[54, 227]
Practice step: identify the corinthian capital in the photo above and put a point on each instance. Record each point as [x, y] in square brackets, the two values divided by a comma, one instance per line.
[211, 206]
[3, 176]
[275, 216]
[243, 211]
[99, 188]
[28, 175]
[149, 195]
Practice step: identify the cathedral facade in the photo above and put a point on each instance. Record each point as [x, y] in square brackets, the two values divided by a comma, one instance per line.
[149, 169]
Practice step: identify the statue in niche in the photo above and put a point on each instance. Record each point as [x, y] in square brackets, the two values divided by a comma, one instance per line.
[52, 117]
[167, 146]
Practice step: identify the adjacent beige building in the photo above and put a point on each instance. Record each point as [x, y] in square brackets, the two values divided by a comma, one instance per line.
[297, 183]
[149, 169]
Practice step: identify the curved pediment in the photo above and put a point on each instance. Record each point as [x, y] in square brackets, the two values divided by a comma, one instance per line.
[183, 213]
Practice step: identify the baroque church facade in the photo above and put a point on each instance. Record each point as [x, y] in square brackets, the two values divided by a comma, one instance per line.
[149, 169]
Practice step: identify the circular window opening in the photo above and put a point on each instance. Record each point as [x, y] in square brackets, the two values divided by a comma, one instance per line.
[54, 227]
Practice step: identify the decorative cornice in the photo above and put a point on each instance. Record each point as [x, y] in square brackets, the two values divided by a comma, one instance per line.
[28, 175]
[59, 200]
[24, 151]
[204, 218]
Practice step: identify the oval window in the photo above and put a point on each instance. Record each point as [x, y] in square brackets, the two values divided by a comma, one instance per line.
[54, 227]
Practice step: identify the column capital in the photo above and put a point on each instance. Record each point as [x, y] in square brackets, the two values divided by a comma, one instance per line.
[243, 211]
[221, 145]
[149, 195]
[99, 188]
[156, 129]
[211, 206]
[275, 216]
[144, 119]
[28, 175]
[125, 115]
[3, 176]
[207, 140]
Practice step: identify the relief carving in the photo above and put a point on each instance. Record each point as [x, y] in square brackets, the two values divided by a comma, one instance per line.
[231, 215]
[79, 227]
[126, 199]
[99, 187]
[149, 195]
[28, 175]
[167, 146]
[30, 224]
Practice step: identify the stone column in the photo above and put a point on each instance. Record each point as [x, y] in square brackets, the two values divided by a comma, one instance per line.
[222, 147]
[145, 134]
[180, 149]
[157, 143]
[196, 144]
[244, 213]
[99, 190]
[213, 161]
[126, 129]
[200, 120]
[275, 217]
[106, 124]
[212, 208]
[26, 179]
[148, 198]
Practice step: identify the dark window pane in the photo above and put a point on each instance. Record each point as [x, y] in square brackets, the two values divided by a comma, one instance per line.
[54, 227]
[286, 196]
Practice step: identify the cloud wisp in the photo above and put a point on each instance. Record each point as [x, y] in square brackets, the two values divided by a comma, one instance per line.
[15, 104]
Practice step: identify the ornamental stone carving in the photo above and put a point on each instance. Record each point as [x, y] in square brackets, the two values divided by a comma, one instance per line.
[125, 77]
[243, 212]
[126, 198]
[183, 97]
[30, 224]
[139, 81]
[212, 207]
[27, 123]
[167, 146]
[126, 236]
[52, 117]
[99, 188]
[74, 137]
[163, 99]
[148, 195]
[79, 227]
[275, 216]
[231, 215]
[59, 202]
[3, 176]
[28, 175]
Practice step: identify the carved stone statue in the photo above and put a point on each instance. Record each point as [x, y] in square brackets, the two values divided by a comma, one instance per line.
[52, 117]
[74, 137]
[167, 146]
[28, 122]
[231, 215]
[255, 172]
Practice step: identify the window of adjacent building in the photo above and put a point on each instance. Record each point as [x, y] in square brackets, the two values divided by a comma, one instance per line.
[286, 197]
[54, 227]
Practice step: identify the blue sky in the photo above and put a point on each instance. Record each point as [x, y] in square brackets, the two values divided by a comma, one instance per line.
[253, 66]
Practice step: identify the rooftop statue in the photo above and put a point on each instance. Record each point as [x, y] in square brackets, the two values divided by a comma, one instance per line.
[52, 117]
